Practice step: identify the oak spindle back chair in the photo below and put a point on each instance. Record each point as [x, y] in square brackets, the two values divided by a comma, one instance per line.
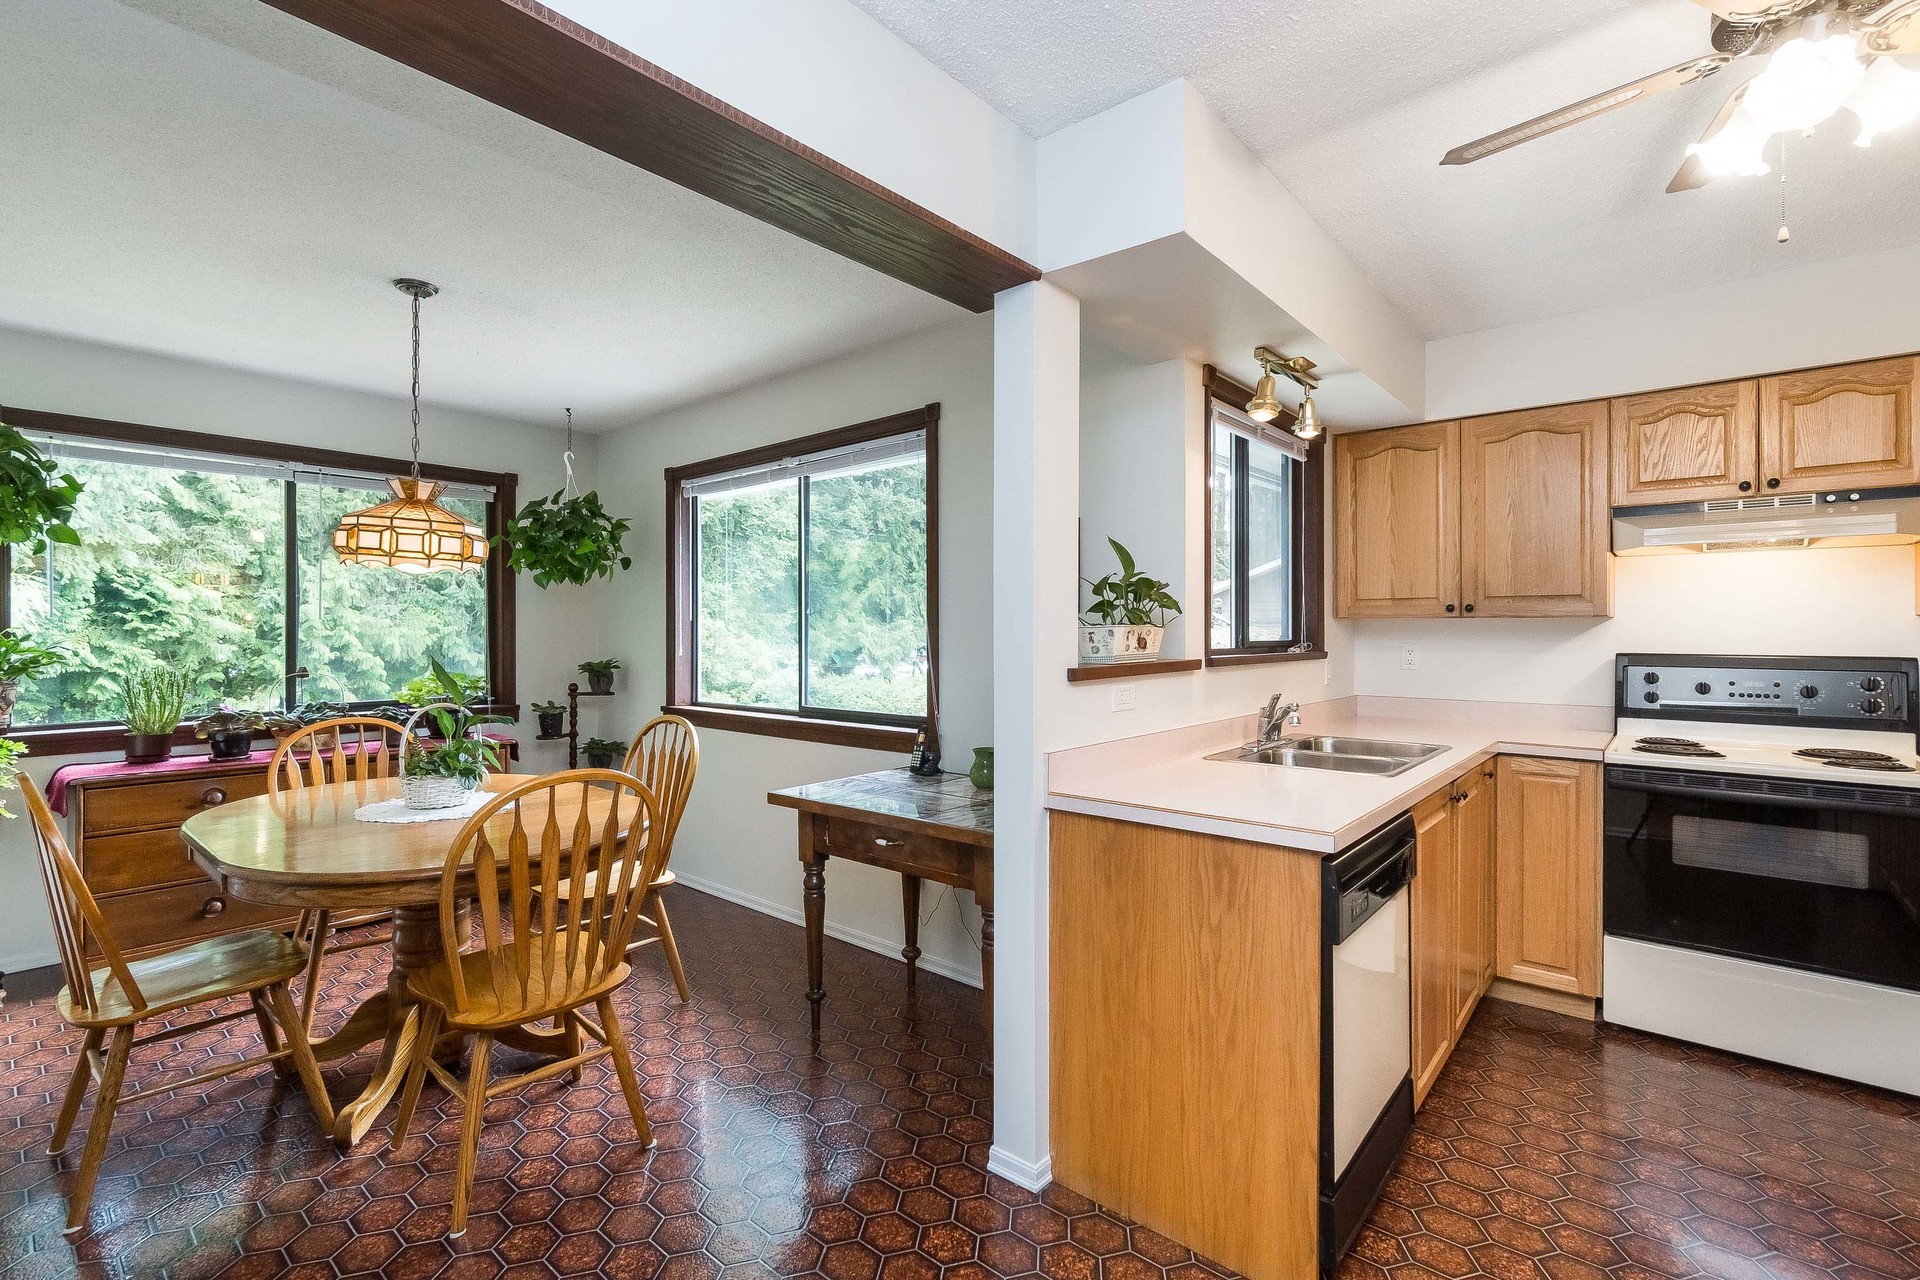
[665, 755]
[536, 960]
[363, 749]
[111, 1000]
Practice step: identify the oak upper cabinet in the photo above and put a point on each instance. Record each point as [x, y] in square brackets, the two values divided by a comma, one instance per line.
[1698, 444]
[1547, 850]
[1434, 937]
[1535, 531]
[1832, 428]
[1397, 535]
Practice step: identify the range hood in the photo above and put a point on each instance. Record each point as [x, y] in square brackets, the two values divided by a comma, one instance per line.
[1848, 518]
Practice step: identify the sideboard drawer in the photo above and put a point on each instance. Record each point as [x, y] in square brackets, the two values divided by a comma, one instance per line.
[925, 856]
[168, 917]
[135, 806]
[138, 860]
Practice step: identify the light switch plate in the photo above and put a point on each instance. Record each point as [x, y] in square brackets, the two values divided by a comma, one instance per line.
[1123, 697]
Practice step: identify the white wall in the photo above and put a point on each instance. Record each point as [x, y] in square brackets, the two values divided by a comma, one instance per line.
[732, 842]
[556, 628]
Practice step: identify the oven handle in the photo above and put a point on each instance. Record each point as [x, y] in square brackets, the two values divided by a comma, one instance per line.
[1786, 795]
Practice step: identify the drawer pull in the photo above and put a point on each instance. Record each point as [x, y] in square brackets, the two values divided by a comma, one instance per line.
[214, 906]
[212, 797]
[881, 842]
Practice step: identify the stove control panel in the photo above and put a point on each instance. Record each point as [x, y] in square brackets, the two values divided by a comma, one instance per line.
[1862, 692]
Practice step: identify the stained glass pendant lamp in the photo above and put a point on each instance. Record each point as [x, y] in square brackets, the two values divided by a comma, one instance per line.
[412, 532]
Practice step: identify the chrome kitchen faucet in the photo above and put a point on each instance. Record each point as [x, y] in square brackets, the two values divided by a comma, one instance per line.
[1274, 719]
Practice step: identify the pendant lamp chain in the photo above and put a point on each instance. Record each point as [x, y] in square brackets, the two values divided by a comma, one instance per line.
[416, 383]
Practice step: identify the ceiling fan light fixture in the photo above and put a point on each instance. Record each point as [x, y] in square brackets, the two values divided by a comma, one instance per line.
[1888, 97]
[1738, 149]
[1806, 80]
[1265, 405]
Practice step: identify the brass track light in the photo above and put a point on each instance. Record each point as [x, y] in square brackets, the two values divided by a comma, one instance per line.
[1265, 405]
[1307, 425]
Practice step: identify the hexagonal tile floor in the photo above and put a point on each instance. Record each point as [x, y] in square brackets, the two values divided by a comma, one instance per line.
[866, 1161]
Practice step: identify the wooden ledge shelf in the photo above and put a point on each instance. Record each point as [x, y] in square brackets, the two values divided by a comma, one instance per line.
[1127, 670]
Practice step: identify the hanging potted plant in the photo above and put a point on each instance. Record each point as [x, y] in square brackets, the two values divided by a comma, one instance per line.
[20, 658]
[1128, 616]
[36, 497]
[552, 717]
[599, 674]
[155, 702]
[568, 537]
[602, 752]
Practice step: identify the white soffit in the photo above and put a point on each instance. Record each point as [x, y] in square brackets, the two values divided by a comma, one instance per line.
[224, 183]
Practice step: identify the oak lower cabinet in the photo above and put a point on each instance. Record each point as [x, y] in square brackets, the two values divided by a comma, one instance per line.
[1498, 517]
[1850, 425]
[1451, 906]
[1547, 841]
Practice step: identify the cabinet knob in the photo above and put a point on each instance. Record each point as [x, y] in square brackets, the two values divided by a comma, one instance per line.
[1773, 482]
[1449, 608]
[1469, 608]
[214, 906]
[1746, 486]
[213, 796]
[1488, 775]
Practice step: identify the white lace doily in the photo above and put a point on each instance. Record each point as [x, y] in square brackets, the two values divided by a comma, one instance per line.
[396, 811]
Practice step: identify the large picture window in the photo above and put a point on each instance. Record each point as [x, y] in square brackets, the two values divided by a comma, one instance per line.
[1264, 537]
[219, 563]
[802, 579]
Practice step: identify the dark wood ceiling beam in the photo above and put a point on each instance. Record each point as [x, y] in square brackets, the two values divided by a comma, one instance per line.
[522, 56]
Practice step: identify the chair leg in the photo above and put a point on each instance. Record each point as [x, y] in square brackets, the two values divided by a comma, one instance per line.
[416, 1073]
[470, 1131]
[571, 1025]
[304, 1062]
[104, 1103]
[320, 929]
[623, 1067]
[76, 1091]
[657, 908]
[269, 1038]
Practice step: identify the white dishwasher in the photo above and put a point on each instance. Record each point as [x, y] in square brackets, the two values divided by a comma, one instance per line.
[1366, 1020]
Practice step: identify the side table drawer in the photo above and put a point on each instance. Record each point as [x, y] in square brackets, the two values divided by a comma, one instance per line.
[933, 859]
[164, 804]
[156, 918]
[138, 860]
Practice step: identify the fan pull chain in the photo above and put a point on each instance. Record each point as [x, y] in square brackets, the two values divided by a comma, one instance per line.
[1785, 235]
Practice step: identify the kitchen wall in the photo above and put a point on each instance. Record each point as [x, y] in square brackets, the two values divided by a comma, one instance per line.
[556, 628]
[732, 842]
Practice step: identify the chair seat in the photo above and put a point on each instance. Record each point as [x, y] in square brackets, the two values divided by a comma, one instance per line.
[588, 882]
[211, 970]
[548, 986]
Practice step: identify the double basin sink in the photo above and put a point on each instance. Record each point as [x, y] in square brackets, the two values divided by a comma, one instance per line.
[1377, 756]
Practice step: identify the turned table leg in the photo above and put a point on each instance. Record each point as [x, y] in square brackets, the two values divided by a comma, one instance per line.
[910, 909]
[814, 899]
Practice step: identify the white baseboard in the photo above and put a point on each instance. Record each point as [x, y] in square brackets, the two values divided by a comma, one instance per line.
[1022, 1173]
[858, 937]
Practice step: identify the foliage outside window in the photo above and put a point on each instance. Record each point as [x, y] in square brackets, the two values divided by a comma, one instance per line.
[191, 561]
[1260, 516]
[803, 578]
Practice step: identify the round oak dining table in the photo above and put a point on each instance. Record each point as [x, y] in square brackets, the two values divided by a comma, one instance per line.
[304, 848]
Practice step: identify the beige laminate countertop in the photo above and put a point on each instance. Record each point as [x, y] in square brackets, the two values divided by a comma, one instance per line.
[1166, 780]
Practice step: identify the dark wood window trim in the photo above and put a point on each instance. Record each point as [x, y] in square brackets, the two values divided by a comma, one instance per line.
[1309, 533]
[502, 652]
[847, 731]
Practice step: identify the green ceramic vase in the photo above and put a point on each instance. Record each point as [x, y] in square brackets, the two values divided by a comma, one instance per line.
[982, 771]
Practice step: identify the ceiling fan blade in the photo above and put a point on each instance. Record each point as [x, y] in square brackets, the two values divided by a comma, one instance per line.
[1694, 173]
[1735, 10]
[1587, 108]
[1893, 27]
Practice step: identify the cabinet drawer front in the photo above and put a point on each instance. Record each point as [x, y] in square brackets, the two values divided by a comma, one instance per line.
[919, 855]
[136, 806]
[139, 860]
[160, 918]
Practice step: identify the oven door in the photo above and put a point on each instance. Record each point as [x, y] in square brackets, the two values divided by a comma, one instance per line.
[1817, 876]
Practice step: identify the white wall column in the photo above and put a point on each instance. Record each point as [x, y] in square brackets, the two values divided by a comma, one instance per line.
[1036, 487]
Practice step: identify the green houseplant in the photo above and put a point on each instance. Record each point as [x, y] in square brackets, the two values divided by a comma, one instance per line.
[1128, 616]
[552, 717]
[230, 730]
[156, 700]
[602, 752]
[562, 539]
[599, 674]
[20, 658]
[439, 772]
[421, 690]
[36, 497]
[10, 753]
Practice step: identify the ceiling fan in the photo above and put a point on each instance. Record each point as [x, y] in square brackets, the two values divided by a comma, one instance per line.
[1822, 55]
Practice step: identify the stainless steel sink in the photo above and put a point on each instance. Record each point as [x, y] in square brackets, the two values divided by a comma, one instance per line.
[1373, 756]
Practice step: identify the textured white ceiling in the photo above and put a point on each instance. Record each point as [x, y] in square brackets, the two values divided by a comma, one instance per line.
[1352, 105]
[220, 182]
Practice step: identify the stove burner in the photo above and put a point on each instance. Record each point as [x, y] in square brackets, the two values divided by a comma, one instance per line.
[1677, 747]
[1884, 764]
[1844, 755]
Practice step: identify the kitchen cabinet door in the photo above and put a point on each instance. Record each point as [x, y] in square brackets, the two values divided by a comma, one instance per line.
[1433, 920]
[1698, 444]
[1397, 532]
[1834, 428]
[1473, 892]
[1535, 531]
[1547, 855]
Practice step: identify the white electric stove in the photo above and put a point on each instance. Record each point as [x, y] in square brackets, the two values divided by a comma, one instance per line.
[1762, 873]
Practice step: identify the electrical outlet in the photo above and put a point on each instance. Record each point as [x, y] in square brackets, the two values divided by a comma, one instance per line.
[1326, 673]
[1123, 697]
[1409, 658]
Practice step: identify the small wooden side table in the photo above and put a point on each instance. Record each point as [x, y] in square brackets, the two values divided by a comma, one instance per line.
[938, 828]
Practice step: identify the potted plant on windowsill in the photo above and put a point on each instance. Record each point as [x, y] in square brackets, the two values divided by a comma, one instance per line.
[228, 732]
[602, 752]
[20, 658]
[421, 690]
[10, 753]
[599, 674]
[441, 771]
[155, 702]
[552, 717]
[1128, 617]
